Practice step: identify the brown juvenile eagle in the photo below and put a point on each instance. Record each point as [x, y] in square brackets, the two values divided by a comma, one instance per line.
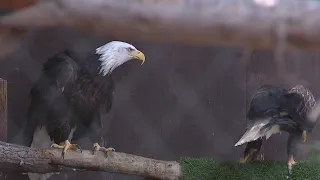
[272, 110]
[65, 102]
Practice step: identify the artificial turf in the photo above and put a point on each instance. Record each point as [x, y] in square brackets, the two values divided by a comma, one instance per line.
[209, 169]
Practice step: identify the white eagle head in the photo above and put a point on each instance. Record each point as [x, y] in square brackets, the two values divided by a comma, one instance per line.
[115, 53]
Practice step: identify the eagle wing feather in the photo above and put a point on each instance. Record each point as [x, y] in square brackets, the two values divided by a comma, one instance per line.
[59, 72]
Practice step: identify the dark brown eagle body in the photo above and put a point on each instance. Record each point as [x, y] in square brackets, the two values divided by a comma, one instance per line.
[67, 101]
[68, 98]
[274, 109]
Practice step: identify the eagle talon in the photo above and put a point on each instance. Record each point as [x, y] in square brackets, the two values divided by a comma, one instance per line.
[67, 146]
[290, 164]
[56, 146]
[248, 157]
[289, 171]
[304, 136]
[242, 161]
[97, 147]
[77, 147]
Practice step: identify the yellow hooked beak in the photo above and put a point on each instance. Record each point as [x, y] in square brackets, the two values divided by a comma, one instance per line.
[138, 55]
[304, 136]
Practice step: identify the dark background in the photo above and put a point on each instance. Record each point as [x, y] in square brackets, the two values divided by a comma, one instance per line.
[184, 101]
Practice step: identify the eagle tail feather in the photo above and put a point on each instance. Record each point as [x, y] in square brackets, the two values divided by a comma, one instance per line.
[260, 129]
[41, 139]
[35, 176]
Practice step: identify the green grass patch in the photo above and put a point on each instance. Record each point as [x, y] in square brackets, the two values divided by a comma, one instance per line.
[208, 169]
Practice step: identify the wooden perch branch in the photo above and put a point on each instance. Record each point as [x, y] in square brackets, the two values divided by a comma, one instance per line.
[24, 159]
[205, 22]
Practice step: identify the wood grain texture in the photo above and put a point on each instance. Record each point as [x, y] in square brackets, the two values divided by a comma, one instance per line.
[3, 109]
[15, 158]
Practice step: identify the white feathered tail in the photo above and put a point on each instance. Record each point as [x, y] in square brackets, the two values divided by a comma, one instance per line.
[257, 130]
[41, 139]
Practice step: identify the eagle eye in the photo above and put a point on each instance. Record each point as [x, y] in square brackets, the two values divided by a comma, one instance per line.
[130, 49]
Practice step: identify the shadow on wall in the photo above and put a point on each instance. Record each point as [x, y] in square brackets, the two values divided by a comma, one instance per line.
[185, 101]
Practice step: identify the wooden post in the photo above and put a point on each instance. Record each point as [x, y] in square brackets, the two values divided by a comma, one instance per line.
[3, 110]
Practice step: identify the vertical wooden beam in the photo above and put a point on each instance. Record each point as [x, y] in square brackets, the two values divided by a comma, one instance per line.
[3, 110]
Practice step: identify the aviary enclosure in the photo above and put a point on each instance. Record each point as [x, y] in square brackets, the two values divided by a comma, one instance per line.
[179, 115]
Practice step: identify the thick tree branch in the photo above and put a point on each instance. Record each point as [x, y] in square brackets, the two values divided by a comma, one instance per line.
[206, 22]
[22, 159]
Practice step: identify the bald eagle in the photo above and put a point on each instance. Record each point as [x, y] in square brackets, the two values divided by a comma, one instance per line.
[274, 109]
[66, 100]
